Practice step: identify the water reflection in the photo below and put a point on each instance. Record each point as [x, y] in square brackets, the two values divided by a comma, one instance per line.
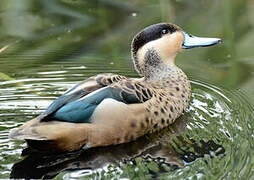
[206, 136]
[155, 147]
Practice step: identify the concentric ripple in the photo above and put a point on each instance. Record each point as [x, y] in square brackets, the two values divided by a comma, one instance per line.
[214, 139]
[217, 142]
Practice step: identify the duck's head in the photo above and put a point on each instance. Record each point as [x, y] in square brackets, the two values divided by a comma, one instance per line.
[159, 44]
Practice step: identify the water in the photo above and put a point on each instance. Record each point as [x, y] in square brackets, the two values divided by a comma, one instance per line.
[48, 46]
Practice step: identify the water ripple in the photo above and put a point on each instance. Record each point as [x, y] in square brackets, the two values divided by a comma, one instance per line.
[204, 142]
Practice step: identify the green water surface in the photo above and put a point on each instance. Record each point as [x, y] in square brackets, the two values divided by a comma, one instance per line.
[47, 46]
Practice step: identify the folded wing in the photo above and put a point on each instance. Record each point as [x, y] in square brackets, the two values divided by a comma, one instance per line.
[80, 90]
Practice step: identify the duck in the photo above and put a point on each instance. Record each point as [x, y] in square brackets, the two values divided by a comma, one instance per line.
[110, 109]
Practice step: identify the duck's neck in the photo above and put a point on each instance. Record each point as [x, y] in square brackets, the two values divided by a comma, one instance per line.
[162, 71]
[154, 66]
[157, 68]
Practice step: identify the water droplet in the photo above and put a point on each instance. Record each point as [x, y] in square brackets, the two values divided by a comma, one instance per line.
[134, 14]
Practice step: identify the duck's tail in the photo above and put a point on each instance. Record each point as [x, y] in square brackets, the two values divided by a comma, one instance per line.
[61, 136]
[27, 131]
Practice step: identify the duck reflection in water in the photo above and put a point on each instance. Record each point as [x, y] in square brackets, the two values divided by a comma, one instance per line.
[167, 147]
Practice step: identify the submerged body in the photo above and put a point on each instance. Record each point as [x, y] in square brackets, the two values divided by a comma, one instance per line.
[111, 109]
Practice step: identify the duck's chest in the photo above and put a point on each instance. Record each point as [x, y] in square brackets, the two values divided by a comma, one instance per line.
[170, 99]
[172, 88]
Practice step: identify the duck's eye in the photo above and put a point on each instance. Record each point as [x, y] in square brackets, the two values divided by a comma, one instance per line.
[164, 31]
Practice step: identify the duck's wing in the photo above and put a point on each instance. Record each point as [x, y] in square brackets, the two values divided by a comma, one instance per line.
[80, 90]
[81, 110]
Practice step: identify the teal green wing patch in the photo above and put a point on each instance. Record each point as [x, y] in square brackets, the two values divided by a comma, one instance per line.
[80, 90]
[80, 111]
[70, 96]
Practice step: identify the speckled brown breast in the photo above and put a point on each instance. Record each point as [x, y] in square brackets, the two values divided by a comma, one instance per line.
[162, 102]
[169, 101]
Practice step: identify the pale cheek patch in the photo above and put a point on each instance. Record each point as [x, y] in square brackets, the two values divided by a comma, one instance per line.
[167, 47]
[171, 45]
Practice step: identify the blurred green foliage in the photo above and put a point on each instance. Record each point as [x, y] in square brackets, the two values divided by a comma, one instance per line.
[48, 31]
